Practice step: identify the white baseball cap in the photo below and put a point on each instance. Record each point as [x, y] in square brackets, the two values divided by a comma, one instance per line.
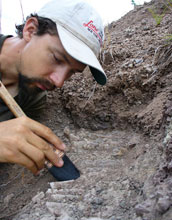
[80, 31]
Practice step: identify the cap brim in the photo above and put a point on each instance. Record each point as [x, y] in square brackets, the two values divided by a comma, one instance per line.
[81, 52]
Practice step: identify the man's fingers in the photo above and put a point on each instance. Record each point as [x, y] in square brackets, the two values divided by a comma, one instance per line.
[28, 143]
[48, 135]
[46, 149]
[34, 154]
[44, 132]
[25, 161]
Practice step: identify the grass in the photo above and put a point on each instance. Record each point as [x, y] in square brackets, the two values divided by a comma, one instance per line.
[157, 17]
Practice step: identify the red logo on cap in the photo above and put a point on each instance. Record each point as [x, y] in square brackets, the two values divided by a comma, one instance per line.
[92, 28]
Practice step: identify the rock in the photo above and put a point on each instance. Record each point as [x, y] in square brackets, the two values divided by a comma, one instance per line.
[67, 131]
[48, 217]
[38, 197]
[143, 22]
[163, 204]
[54, 208]
[143, 208]
[8, 198]
[97, 201]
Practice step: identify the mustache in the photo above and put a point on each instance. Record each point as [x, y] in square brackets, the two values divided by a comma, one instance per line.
[31, 82]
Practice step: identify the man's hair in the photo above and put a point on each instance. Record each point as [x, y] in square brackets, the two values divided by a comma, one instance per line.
[45, 25]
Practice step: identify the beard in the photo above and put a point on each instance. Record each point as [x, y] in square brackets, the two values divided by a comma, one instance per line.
[30, 84]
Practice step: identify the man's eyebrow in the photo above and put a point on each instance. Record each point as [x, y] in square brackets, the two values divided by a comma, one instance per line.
[63, 55]
[67, 60]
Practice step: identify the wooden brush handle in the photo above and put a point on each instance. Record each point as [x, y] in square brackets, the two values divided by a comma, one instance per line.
[10, 102]
[18, 112]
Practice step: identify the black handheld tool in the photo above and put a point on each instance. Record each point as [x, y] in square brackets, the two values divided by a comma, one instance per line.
[68, 171]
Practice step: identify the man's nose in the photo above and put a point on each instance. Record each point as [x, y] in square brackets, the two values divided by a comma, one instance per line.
[58, 77]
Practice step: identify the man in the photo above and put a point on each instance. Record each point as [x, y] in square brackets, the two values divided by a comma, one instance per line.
[51, 46]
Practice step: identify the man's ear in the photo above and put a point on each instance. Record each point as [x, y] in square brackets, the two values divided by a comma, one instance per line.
[30, 28]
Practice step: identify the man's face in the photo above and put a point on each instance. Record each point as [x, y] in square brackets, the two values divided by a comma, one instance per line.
[46, 64]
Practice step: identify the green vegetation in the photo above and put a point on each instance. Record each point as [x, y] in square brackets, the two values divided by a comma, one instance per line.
[158, 18]
[133, 2]
[169, 2]
[169, 37]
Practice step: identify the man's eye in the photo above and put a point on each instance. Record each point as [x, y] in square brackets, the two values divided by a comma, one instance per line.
[56, 59]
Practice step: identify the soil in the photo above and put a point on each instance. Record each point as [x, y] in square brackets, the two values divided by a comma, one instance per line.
[119, 135]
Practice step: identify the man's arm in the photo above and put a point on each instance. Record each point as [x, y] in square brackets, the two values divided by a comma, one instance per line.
[28, 143]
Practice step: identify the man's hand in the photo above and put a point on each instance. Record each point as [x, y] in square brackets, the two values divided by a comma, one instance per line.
[28, 143]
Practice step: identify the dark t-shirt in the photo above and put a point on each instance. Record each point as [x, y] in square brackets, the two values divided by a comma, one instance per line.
[31, 102]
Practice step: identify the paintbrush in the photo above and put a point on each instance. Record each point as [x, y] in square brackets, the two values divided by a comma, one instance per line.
[68, 171]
